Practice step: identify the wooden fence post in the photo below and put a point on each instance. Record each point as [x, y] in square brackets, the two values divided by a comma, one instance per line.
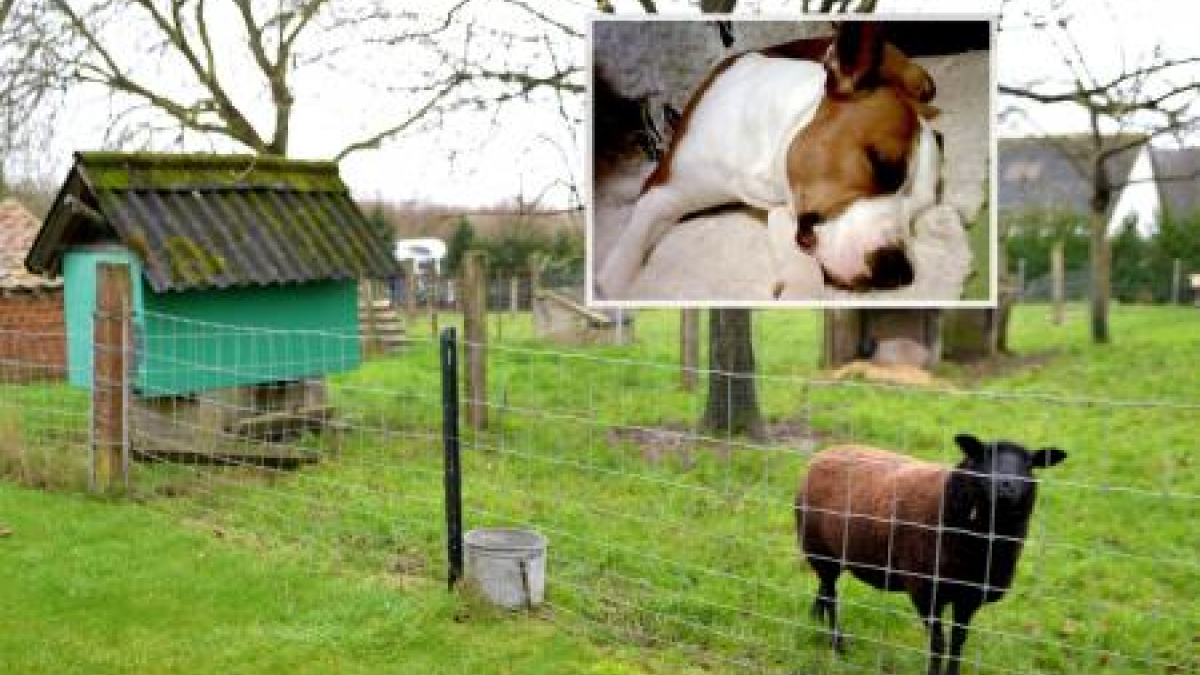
[689, 346]
[112, 335]
[410, 290]
[498, 284]
[535, 276]
[474, 300]
[434, 284]
[1057, 279]
[1176, 280]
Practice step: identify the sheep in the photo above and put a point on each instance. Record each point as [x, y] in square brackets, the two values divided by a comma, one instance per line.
[945, 535]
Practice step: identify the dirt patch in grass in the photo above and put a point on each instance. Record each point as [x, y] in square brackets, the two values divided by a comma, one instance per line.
[678, 442]
[1003, 365]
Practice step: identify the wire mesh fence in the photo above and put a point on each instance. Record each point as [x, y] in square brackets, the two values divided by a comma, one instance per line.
[1076, 286]
[663, 535]
[43, 424]
[669, 535]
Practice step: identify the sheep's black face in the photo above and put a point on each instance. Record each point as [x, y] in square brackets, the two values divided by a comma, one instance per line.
[1001, 472]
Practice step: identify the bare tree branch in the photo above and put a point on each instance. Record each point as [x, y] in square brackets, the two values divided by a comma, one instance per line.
[176, 76]
[375, 140]
[541, 16]
[5, 9]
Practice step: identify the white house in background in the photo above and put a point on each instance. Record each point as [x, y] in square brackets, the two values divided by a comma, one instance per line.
[423, 255]
[1139, 199]
[1044, 173]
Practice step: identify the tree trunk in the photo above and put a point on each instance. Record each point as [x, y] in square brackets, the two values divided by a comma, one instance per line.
[732, 406]
[1101, 265]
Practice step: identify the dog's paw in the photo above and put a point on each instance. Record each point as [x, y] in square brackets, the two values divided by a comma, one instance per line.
[614, 278]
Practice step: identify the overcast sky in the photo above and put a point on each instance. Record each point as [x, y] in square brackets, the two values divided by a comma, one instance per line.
[481, 158]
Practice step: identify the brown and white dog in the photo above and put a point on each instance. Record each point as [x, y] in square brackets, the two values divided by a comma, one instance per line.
[833, 133]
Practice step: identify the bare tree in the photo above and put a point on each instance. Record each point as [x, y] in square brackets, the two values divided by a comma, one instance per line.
[24, 52]
[1125, 111]
[208, 69]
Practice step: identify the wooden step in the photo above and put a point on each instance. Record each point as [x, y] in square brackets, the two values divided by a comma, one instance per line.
[226, 453]
[378, 305]
[283, 424]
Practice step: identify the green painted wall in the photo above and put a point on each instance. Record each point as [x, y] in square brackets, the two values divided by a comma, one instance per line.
[196, 340]
[79, 303]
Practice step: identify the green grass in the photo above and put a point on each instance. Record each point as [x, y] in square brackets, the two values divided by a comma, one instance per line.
[96, 587]
[684, 552]
[979, 234]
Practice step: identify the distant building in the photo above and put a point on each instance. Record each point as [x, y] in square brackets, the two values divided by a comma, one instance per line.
[1053, 174]
[32, 334]
[423, 255]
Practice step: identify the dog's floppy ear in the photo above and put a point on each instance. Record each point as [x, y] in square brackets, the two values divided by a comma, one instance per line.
[853, 60]
[905, 74]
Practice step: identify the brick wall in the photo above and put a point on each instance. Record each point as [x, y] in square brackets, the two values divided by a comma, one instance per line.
[32, 337]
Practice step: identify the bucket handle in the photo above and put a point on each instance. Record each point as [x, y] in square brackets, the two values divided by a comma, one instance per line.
[524, 565]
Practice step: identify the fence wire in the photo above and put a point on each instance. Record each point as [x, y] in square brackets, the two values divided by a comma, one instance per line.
[663, 535]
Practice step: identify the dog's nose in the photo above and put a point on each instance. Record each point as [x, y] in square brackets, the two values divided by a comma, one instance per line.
[890, 268]
[806, 236]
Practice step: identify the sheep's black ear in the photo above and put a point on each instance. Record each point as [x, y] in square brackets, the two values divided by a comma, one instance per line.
[1047, 457]
[972, 447]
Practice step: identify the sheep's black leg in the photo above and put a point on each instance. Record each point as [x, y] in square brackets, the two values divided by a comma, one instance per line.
[825, 604]
[931, 616]
[936, 644]
[963, 611]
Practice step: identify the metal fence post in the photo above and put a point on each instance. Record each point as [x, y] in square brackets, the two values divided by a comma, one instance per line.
[451, 468]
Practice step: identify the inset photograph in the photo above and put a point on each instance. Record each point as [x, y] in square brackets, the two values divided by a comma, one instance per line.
[792, 163]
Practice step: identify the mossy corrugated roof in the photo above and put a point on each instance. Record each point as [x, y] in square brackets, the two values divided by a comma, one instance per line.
[201, 221]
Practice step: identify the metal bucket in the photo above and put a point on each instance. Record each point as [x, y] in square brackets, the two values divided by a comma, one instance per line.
[507, 566]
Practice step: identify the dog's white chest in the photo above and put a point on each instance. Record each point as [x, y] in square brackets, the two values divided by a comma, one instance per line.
[739, 133]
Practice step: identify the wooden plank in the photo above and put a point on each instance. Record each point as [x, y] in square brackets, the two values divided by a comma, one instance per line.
[597, 319]
[282, 424]
[244, 453]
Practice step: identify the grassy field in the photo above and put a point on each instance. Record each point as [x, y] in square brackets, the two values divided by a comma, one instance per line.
[89, 586]
[673, 548]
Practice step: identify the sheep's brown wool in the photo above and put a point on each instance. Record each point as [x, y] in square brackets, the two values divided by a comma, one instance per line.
[947, 536]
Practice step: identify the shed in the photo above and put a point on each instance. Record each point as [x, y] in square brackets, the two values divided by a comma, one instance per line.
[32, 335]
[244, 268]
